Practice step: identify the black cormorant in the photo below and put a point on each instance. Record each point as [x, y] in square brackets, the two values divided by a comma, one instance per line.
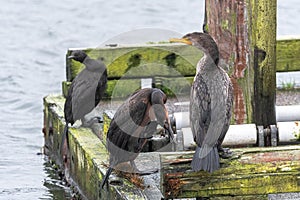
[134, 122]
[86, 89]
[210, 103]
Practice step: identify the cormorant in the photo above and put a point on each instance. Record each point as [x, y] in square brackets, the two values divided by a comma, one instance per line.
[134, 122]
[210, 103]
[86, 89]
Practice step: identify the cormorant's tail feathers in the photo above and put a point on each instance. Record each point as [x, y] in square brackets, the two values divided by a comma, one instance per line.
[105, 178]
[209, 163]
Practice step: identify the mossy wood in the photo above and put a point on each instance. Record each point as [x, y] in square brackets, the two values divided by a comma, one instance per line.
[252, 172]
[172, 68]
[84, 169]
[159, 60]
[288, 54]
[263, 57]
[174, 64]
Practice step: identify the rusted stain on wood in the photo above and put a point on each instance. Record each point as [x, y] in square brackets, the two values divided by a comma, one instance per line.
[270, 157]
[239, 103]
[173, 184]
[218, 20]
[226, 22]
[181, 160]
[241, 41]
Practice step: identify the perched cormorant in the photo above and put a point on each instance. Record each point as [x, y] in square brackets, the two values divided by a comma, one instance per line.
[210, 103]
[86, 89]
[134, 122]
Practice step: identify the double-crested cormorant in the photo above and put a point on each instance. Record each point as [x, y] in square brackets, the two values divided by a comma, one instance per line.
[134, 122]
[86, 89]
[210, 103]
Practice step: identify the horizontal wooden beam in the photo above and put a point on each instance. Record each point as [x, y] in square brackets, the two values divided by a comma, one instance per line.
[122, 88]
[250, 171]
[288, 54]
[141, 61]
[182, 58]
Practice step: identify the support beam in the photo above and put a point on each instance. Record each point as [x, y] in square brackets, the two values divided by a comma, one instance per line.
[246, 37]
[263, 46]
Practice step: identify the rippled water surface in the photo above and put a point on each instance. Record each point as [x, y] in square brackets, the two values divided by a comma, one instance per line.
[34, 38]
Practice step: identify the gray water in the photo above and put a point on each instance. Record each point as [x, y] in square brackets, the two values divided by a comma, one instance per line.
[34, 37]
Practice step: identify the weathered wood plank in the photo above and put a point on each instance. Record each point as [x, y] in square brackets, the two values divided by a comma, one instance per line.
[159, 60]
[122, 88]
[288, 54]
[250, 171]
[172, 68]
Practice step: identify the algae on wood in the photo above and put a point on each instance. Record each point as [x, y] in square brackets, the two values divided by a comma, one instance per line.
[84, 167]
[128, 65]
[250, 172]
[288, 55]
[119, 60]
[263, 51]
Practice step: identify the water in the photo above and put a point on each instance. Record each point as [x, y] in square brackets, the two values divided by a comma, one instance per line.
[34, 38]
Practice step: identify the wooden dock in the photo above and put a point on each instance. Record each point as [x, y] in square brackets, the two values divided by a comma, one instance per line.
[250, 172]
[252, 55]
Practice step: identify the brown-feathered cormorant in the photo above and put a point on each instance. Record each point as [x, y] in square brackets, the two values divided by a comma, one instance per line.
[86, 89]
[210, 103]
[134, 122]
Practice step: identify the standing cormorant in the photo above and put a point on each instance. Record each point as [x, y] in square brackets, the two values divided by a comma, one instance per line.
[134, 122]
[86, 89]
[210, 103]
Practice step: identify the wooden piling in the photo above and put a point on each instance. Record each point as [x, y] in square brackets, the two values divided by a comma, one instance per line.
[242, 29]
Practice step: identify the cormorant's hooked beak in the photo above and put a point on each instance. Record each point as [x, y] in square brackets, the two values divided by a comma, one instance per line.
[71, 57]
[182, 40]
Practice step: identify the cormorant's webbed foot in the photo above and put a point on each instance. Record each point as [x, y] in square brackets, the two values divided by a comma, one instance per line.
[224, 152]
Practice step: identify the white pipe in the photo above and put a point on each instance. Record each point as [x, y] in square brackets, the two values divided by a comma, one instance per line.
[146, 83]
[287, 113]
[182, 119]
[243, 134]
[288, 131]
[246, 134]
[283, 114]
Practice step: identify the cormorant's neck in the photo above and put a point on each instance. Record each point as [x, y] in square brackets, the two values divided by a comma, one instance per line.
[207, 62]
[211, 53]
[93, 65]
